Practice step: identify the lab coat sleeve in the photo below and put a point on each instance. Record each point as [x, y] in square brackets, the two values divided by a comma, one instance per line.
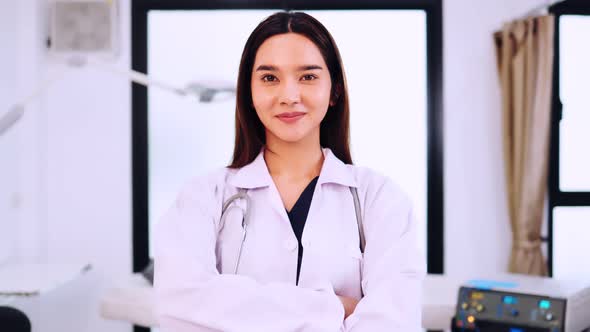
[393, 266]
[193, 296]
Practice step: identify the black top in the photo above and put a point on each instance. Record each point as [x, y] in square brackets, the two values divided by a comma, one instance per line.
[298, 216]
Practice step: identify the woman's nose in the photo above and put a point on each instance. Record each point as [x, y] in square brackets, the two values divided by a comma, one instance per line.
[289, 94]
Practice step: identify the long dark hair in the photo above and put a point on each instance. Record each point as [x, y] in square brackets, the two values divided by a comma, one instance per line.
[335, 127]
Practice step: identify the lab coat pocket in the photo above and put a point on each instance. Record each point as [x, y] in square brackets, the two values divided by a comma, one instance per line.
[346, 271]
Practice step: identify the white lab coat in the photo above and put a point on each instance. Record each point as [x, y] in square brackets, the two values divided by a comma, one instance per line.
[195, 256]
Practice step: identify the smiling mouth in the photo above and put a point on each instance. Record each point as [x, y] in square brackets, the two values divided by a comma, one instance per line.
[290, 114]
[290, 117]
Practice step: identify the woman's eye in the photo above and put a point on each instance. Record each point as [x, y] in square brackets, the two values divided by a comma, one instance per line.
[268, 78]
[309, 77]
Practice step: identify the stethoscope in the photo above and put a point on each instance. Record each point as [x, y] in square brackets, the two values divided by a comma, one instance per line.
[246, 218]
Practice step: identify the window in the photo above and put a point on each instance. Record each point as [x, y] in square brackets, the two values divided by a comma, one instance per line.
[393, 60]
[569, 174]
[387, 88]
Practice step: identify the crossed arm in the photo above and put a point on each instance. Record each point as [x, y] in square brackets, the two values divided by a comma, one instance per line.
[193, 296]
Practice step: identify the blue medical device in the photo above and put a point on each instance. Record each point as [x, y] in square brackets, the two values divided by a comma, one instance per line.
[521, 303]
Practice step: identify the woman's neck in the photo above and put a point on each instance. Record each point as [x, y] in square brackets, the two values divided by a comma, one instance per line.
[302, 160]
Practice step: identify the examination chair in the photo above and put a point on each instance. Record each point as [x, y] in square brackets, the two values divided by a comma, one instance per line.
[13, 320]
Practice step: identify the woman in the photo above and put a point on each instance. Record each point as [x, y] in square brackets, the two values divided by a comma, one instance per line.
[298, 264]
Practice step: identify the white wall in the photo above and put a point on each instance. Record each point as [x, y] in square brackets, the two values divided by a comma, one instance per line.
[8, 142]
[88, 163]
[74, 160]
[65, 194]
[22, 193]
[477, 232]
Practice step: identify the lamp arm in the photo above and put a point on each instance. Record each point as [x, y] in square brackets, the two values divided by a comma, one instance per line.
[10, 118]
[139, 78]
[17, 111]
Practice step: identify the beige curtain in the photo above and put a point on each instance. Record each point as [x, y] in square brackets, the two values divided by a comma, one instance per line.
[524, 51]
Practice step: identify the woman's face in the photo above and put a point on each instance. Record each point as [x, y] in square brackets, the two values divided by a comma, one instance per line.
[290, 87]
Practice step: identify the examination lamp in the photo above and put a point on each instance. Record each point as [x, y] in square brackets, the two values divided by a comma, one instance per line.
[206, 92]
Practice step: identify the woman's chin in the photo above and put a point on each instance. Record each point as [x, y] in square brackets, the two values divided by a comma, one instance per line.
[291, 138]
[293, 134]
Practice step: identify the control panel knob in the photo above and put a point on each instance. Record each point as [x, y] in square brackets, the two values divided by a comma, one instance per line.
[549, 316]
[480, 308]
[514, 312]
[464, 305]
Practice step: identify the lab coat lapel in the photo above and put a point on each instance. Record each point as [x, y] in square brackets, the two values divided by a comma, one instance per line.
[256, 175]
[253, 175]
[333, 171]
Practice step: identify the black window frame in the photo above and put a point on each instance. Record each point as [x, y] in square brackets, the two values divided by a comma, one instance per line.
[556, 197]
[139, 100]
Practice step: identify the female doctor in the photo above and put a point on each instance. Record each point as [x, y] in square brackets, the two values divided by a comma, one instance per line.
[287, 254]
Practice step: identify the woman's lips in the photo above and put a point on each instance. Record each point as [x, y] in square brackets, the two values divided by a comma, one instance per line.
[290, 117]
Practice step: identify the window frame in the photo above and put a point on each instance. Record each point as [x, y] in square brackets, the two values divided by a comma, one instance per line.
[139, 100]
[557, 197]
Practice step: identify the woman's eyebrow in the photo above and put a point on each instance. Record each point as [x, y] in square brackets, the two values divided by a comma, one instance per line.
[300, 68]
[266, 67]
[309, 67]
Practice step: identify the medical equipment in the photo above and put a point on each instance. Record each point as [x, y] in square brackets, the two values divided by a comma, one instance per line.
[246, 218]
[206, 91]
[522, 303]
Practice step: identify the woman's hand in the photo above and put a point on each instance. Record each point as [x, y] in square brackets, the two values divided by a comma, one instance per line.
[349, 305]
